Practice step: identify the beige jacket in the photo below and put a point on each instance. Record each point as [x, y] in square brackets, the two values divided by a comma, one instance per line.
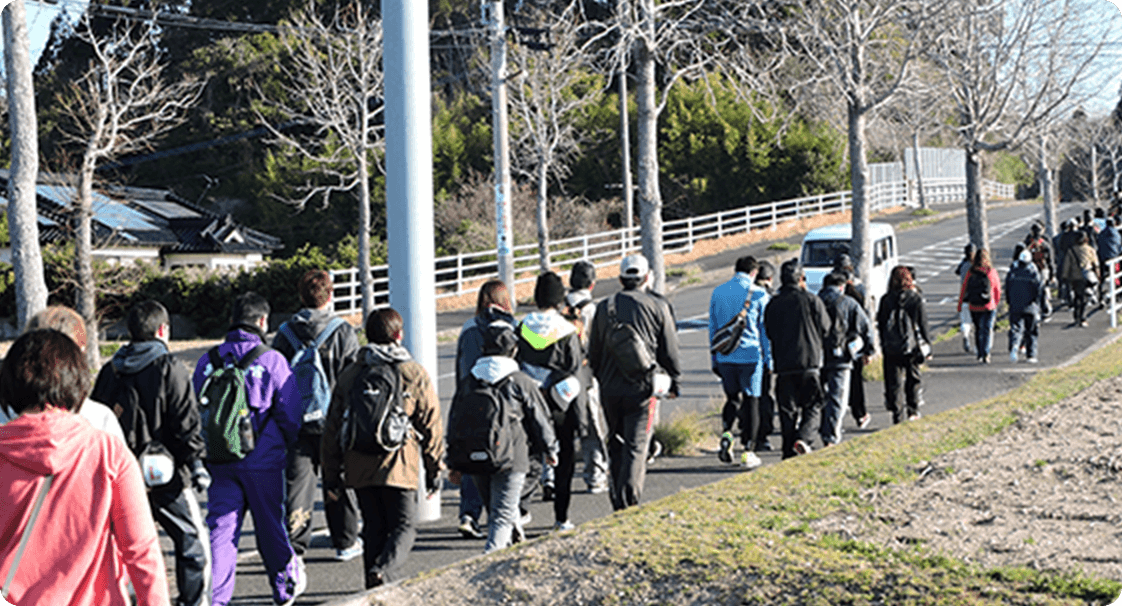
[399, 469]
[1078, 258]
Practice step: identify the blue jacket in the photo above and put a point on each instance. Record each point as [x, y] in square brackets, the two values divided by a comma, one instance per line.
[1024, 289]
[271, 394]
[727, 301]
[1110, 243]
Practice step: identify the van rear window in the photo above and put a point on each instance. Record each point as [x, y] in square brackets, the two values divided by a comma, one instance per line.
[821, 253]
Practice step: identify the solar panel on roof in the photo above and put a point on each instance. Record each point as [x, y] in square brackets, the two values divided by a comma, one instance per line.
[167, 210]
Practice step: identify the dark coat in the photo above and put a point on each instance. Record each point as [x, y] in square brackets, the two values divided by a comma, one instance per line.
[1024, 289]
[796, 322]
[913, 305]
[653, 318]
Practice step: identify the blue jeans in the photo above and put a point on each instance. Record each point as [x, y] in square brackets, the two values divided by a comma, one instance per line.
[1024, 326]
[501, 493]
[835, 384]
[983, 330]
[471, 504]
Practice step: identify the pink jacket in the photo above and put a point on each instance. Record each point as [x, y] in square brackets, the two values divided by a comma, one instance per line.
[995, 291]
[95, 524]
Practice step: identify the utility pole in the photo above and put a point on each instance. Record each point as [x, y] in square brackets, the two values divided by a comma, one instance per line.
[504, 232]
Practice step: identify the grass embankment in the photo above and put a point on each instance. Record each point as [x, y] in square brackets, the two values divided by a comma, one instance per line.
[751, 534]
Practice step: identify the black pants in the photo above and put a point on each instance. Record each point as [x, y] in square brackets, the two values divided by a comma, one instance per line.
[566, 463]
[902, 386]
[177, 512]
[1079, 300]
[767, 408]
[857, 390]
[629, 432]
[389, 529]
[301, 478]
[799, 397]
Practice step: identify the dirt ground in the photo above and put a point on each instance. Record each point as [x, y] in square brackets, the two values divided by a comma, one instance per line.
[1044, 493]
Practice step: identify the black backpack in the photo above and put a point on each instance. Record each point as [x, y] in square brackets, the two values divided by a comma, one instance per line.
[125, 403]
[836, 337]
[480, 428]
[626, 346]
[899, 330]
[374, 421]
[978, 288]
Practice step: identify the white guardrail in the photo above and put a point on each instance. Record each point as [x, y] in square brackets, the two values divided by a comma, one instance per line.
[465, 272]
[1114, 274]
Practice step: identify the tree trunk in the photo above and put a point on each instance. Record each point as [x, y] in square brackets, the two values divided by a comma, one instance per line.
[543, 219]
[366, 279]
[919, 171]
[861, 249]
[1050, 218]
[1095, 172]
[83, 259]
[23, 225]
[977, 225]
[650, 199]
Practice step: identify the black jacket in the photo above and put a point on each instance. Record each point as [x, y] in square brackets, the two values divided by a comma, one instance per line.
[653, 318]
[796, 322]
[166, 398]
[340, 349]
[913, 305]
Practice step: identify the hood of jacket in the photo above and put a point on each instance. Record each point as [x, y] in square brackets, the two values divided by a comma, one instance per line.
[492, 369]
[308, 323]
[544, 328]
[135, 357]
[576, 297]
[45, 442]
[389, 352]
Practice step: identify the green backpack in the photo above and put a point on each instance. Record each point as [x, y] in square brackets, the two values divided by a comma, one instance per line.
[227, 425]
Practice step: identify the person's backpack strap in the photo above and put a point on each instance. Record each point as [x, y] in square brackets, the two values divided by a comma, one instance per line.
[328, 330]
[42, 496]
[293, 340]
[251, 356]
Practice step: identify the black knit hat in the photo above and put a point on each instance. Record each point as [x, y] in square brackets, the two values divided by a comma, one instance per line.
[583, 275]
[549, 291]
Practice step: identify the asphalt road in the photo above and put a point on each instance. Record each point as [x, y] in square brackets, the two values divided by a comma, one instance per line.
[953, 378]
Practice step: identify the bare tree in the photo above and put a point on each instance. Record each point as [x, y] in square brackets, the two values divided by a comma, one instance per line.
[332, 89]
[1012, 68]
[122, 104]
[864, 52]
[919, 112]
[554, 86]
[23, 224]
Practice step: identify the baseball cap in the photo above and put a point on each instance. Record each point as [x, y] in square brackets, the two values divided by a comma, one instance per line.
[634, 266]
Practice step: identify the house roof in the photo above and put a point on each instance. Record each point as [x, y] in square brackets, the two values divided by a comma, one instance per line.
[134, 216]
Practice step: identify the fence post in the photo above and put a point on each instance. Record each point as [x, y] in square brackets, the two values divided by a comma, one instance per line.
[747, 219]
[1111, 264]
[774, 217]
[459, 273]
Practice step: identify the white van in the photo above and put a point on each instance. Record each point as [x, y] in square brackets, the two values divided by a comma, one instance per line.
[823, 245]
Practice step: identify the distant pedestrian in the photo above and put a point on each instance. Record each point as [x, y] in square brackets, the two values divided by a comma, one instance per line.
[765, 278]
[965, 324]
[581, 310]
[385, 481]
[797, 323]
[981, 292]
[742, 369]
[902, 327]
[256, 480]
[495, 394]
[1110, 247]
[492, 303]
[152, 393]
[93, 526]
[849, 339]
[1063, 241]
[630, 371]
[317, 327]
[1081, 274]
[1024, 291]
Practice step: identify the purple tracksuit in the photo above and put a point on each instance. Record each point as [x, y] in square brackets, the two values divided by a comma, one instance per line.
[256, 481]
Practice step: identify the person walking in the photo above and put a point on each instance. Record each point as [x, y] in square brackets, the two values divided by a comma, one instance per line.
[631, 366]
[902, 328]
[495, 391]
[741, 370]
[765, 278]
[796, 322]
[1110, 247]
[319, 346]
[850, 339]
[257, 480]
[93, 523]
[153, 396]
[385, 481]
[965, 324]
[1081, 273]
[1025, 293]
[581, 310]
[981, 292]
[492, 303]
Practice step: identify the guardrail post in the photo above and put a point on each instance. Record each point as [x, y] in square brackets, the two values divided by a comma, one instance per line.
[774, 217]
[1113, 290]
[459, 273]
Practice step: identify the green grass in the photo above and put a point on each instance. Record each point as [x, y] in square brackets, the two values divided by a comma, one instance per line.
[753, 531]
[782, 246]
[681, 435]
[108, 349]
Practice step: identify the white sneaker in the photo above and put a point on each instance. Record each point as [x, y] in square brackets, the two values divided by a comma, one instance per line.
[1013, 356]
[749, 460]
[301, 581]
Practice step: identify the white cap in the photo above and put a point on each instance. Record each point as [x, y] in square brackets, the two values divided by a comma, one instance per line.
[634, 266]
[1025, 257]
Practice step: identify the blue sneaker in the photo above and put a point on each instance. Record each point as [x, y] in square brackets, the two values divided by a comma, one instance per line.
[350, 553]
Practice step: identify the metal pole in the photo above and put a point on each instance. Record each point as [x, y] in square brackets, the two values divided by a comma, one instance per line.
[409, 208]
[504, 232]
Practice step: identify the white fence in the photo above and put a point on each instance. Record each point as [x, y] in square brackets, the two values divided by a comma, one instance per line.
[465, 272]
